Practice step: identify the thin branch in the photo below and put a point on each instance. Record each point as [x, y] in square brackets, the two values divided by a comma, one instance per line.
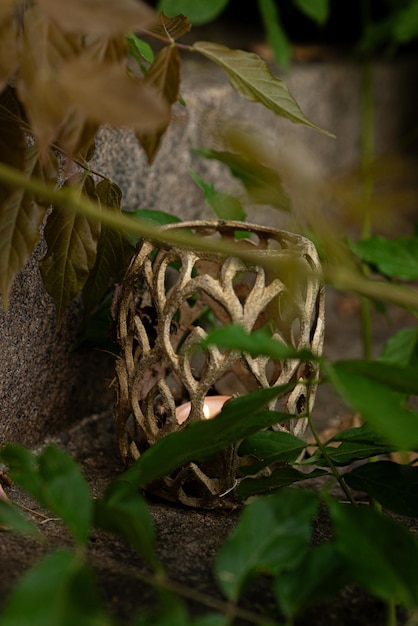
[162, 582]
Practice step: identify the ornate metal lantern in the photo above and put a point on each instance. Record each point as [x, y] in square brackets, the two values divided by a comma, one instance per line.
[169, 299]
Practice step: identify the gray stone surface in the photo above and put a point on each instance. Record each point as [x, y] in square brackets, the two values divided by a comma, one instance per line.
[327, 92]
[43, 385]
[43, 382]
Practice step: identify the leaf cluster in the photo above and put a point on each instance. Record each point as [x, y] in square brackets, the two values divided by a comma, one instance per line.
[63, 74]
[274, 536]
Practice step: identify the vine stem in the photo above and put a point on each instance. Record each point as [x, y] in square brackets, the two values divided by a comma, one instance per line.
[329, 461]
[341, 277]
[391, 613]
[367, 150]
[161, 581]
[71, 200]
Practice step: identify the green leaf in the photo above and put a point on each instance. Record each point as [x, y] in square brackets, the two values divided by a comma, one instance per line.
[405, 27]
[238, 419]
[149, 215]
[198, 11]
[397, 258]
[378, 404]
[225, 206]
[12, 519]
[275, 33]
[113, 251]
[279, 478]
[262, 183]
[251, 77]
[256, 343]
[72, 247]
[393, 485]
[398, 378]
[58, 591]
[380, 554]
[66, 491]
[55, 481]
[125, 513]
[272, 446]
[360, 434]
[23, 468]
[159, 217]
[317, 10]
[140, 50]
[348, 452]
[319, 576]
[402, 348]
[272, 535]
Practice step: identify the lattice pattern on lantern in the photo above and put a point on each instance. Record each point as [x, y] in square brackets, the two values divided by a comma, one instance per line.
[169, 300]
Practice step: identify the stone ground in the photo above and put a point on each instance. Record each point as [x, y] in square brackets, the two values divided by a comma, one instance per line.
[189, 539]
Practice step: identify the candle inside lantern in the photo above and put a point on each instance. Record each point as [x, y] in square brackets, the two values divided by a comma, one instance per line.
[211, 407]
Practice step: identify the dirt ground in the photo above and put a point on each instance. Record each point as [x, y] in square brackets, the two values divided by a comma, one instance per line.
[188, 539]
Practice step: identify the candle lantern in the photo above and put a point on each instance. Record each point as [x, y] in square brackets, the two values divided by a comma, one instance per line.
[169, 300]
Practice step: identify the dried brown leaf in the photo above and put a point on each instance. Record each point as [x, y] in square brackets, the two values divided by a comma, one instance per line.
[76, 135]
[113, 250]
[45, 49]
[172, 27]
[99, 17]
[21, 216]
[8, 43]
[106, 49]
[111, 96]
[164, 75]
[72, 246]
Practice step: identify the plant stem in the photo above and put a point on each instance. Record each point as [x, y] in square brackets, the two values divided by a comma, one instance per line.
[340, 276]
[391, 613]
[330, 462]
[162, 582]
[367, 148]
[70, 200]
